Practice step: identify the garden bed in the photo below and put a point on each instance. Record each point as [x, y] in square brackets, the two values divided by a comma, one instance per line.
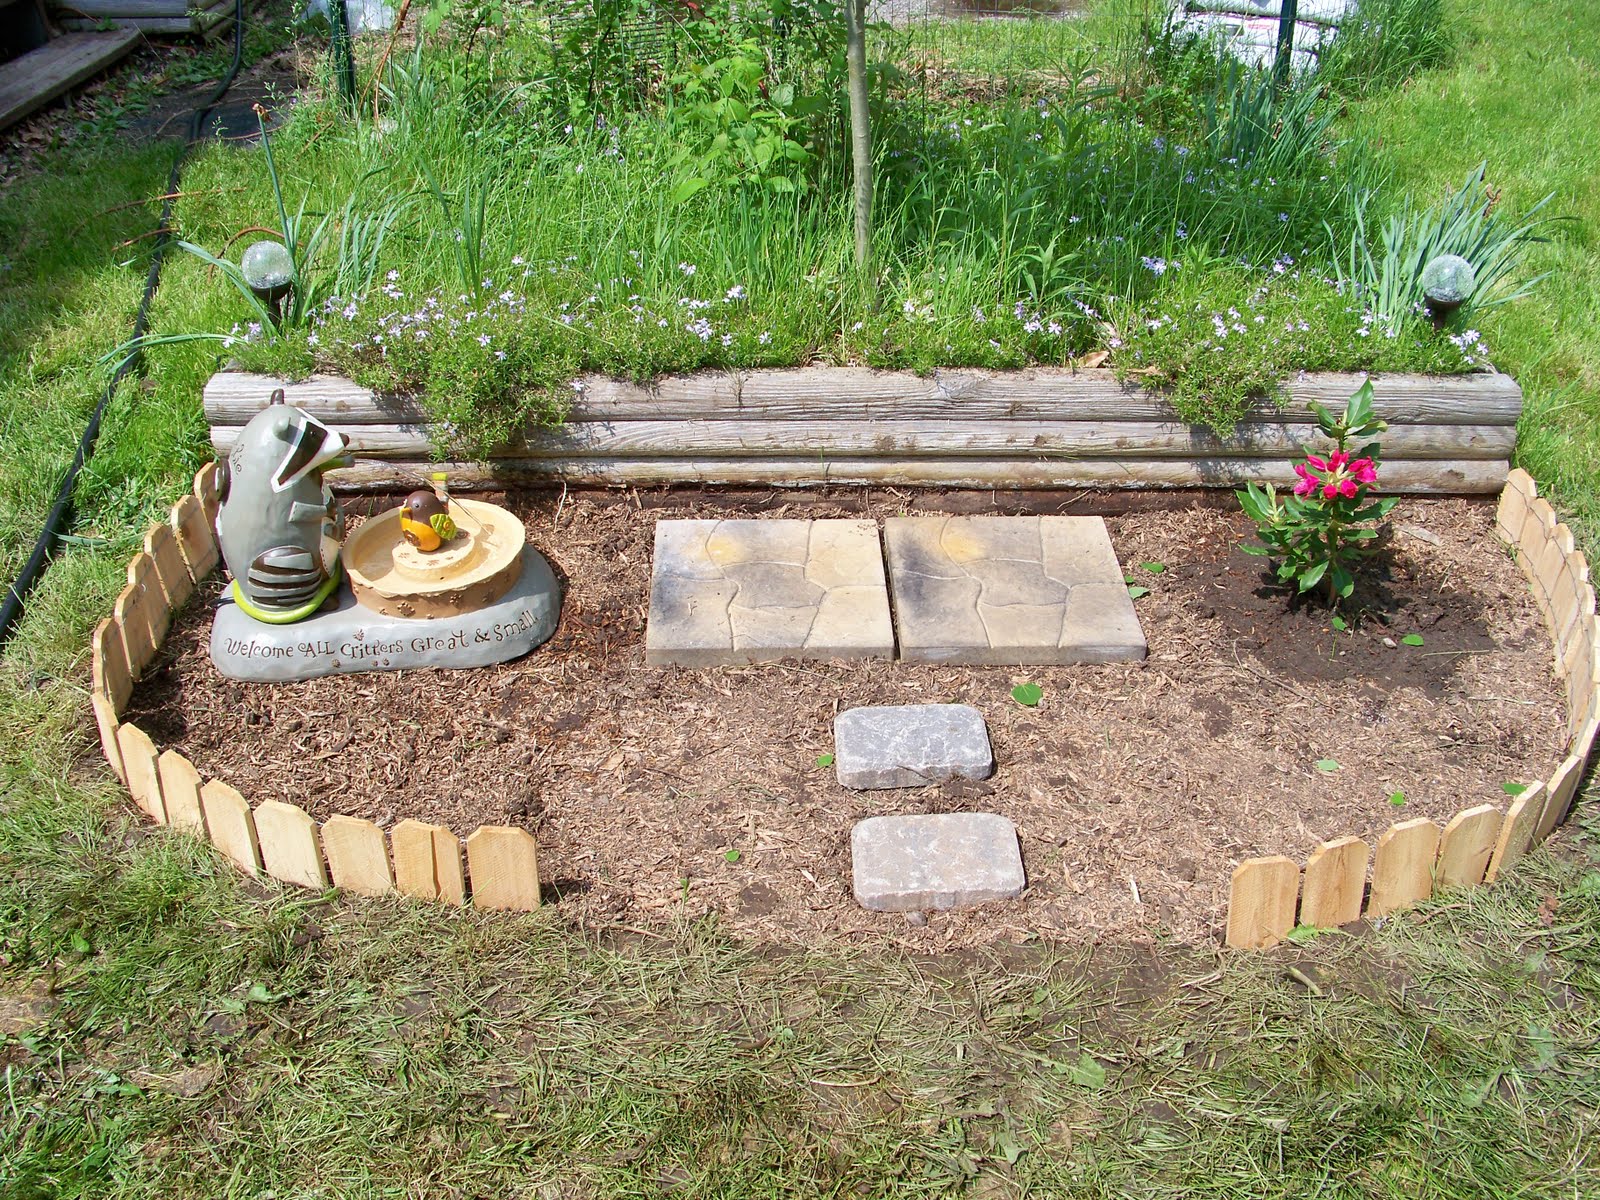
[1040, 428]
[1135, 788]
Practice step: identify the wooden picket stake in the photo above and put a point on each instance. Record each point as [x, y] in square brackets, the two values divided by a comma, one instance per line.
[1261, 901]
[290, 848]
[1402, 867]
[1516, 831]
[143, 771]
[427, 862]
[108, 665]
[1563, 786]
[503, 863]
[1335, 882]
[129, 614]
[196, 539]
[1465, 848]
[172, 573]
[180, 792]
[205, 490]
[105, 718]
[1513, 508]
[231, 825]
[358, 859]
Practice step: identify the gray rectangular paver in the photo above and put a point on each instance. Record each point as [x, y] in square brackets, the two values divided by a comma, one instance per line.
[746, 591]
[1009, 591]
[910, 745]
[943, 860]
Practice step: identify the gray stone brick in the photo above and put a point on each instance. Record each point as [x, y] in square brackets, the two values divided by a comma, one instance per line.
[910, 745]
[944, 860]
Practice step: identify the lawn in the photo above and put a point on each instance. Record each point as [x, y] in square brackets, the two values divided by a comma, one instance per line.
[168, 1030]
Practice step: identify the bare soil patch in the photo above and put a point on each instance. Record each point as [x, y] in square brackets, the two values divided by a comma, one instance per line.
[1135, 787]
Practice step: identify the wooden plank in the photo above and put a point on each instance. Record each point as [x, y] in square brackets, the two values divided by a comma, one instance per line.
[129, 614]
[1465, 848]
[105, 719]
[1520, 481]
[127, 8]
[1402, 867]
[180, 792]
[1261, 901]
[1516, 832]
[32, 80]
[1574, 611]
[108, 668]
[172, 573]
[143, 770]
[1335, 883]
[206, 481]
[1422, 478]
[503, 863]
[290, 848]
[1511, 512]
[449, 869]
[1551, 562]
[231, 825]
[1308, 12]
[152, 599]
[1563, 786]
[358, 858]
[427, 862]
[829, 393]
[197, 541]
[979, 439]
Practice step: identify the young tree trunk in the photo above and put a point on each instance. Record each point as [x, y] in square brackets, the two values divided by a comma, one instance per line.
[860, 131]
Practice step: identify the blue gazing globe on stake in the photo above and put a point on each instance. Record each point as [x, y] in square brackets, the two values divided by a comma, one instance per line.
[268, 269]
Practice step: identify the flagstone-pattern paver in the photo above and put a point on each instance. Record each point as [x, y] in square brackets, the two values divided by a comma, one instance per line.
[731, 592]
[1009, 590]
[942, 860]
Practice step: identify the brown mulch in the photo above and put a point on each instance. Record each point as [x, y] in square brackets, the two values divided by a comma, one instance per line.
[1135, 788]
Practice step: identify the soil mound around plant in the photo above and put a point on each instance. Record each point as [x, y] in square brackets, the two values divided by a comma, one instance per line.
[1254, 727]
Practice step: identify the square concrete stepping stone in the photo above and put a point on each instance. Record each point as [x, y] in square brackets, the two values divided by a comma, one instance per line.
[732, 592]
[910, 745]
[946, 860]
[1009, 590]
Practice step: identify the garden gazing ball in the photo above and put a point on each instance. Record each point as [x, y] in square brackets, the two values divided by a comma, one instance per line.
[267, 267]
[1448, 279]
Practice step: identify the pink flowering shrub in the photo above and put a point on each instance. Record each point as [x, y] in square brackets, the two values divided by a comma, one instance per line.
[1314, 533]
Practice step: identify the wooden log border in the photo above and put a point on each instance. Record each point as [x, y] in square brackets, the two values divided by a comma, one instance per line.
[1414, 859]
[805, 426]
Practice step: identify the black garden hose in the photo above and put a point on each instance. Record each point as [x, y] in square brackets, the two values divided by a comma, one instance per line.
[61, 510]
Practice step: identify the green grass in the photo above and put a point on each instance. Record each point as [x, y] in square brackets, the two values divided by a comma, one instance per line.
[1521, 94]
[383, 1049]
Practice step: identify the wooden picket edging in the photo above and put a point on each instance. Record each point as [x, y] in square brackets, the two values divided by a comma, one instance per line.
[1411, 860]
[1415, 859]
[1038, 428]
[272, 838]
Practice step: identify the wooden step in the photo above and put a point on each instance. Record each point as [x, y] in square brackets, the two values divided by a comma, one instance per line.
[28, 83]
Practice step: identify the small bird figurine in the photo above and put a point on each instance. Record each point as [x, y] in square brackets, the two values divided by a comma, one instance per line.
[425, 522]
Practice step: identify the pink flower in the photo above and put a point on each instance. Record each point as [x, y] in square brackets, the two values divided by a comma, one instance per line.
[1308, 482]
[1363, 470]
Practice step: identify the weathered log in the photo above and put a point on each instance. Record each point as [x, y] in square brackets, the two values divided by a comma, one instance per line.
[832, 393]
[945, 439]
[1450, 477]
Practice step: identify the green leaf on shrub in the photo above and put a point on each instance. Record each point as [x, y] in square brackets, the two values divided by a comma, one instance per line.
[1027, 694]
[1412, 639]
[1338, 623]
[1134, 591]
[824, 760]
[1327, 765]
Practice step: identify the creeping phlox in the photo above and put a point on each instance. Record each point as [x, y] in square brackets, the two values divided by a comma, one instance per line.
[1313, 535]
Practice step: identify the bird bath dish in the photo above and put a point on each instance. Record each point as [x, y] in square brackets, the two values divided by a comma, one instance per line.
[482, 597]
[479, 565]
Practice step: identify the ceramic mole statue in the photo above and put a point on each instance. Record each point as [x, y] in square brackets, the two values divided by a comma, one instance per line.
[425, 521]
[278, 527]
